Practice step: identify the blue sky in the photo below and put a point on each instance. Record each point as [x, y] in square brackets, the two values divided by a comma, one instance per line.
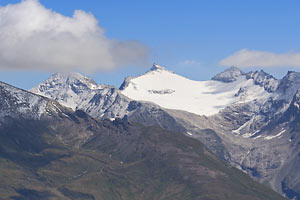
[187, 37]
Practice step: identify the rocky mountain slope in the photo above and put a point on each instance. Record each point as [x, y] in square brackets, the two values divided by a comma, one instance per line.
[231, 114]
[56, 153]
[101, 101]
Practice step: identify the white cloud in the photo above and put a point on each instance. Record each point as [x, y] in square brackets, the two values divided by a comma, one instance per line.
[34, 37]
[250, 58]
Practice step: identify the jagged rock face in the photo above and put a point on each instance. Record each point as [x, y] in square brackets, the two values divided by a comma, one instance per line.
[77, 81]
[19, 103]
[258, 113]
[246, 118]
[261, 78]
[289, 84]
[125, 83]
[278, 148]
[71, 90]
[296, 99]
[100, 104]
[264, 79]
[293, 112]
[156, 67]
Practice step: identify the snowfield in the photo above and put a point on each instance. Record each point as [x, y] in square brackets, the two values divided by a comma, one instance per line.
[173, 91]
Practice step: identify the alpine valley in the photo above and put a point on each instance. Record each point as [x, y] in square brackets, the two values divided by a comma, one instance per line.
[159, 136]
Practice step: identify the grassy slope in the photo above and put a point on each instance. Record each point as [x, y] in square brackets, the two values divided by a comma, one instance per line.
[121, 161]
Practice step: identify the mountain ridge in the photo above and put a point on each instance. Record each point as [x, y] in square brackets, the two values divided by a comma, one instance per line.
[240, 131]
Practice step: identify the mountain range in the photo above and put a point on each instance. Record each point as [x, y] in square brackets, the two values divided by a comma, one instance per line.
[49, 151]
[248, 120]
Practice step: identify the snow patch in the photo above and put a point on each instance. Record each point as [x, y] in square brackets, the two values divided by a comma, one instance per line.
[275, 136]
[189, 133]
[258, 137]
[248, 135]
[245, 125]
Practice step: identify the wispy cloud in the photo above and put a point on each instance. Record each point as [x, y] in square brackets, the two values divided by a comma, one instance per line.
[251, 58]
[34, 37]
[190, 62]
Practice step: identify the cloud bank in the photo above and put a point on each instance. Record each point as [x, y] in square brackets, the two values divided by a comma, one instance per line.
[249, 58]
[34, 37]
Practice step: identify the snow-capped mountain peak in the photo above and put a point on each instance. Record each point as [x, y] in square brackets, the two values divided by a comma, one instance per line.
[79, 92]
[173, 91]
[157, 67]
[70, 89]
[72, 79]
[229, 75]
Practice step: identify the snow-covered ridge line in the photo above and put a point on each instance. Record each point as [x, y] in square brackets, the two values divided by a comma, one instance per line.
[17, 102]
[166, 89]
[69, 89]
